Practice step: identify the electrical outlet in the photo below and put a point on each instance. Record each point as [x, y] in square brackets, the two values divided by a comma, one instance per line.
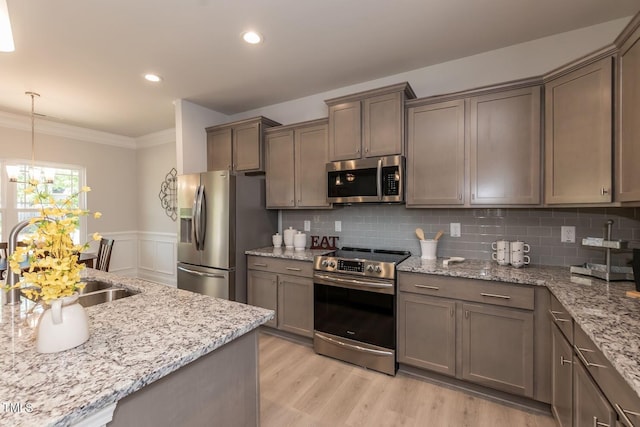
[338, 225]
[454, 229]
[316, 218]
[568, 234]
[307, 225]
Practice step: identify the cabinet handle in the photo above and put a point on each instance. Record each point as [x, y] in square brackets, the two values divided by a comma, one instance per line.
[495, 296]
[623, 413]
[597, 423]
[259, 265]
[433, 288]
[452, 311]
[604, 191]
[294, 269]
[557, 319]
[564, 361]
[584, 359]
[459, 196]
[466, 314]
[473, 196]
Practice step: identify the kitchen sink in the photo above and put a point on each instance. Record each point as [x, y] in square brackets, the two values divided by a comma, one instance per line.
[103, 295]
[93, 286]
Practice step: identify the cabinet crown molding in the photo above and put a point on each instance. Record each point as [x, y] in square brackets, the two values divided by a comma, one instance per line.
[285, 128]
[400, 87]
[628, 31]
[607, 51]
[264, 120]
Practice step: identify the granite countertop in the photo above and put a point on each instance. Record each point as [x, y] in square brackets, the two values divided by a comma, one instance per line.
[134, 341]
[601, 309]
[282, 252]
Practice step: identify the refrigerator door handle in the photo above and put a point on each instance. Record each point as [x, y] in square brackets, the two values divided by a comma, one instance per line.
[194, 217]
[203, 216]
[200, 273]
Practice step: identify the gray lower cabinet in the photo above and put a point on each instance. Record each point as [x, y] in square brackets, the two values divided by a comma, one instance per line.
[497, 348]
[286, 287]
[482, 332]
[561, 379]
[590, 407]
[427, 332]
[262, 291]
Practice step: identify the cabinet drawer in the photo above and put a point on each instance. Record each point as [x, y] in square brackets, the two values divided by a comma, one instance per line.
[509, 295]
[623, 398]
[279, 265]
[561, 318]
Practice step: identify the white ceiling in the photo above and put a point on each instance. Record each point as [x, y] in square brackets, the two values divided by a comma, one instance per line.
[86, 58]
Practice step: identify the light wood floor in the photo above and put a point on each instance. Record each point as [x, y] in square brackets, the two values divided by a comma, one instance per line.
[301, 388]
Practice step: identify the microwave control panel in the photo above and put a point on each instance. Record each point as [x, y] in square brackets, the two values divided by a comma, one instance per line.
[391, 181]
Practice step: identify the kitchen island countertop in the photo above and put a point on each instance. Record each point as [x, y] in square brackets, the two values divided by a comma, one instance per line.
[601, 309]
[134, 341]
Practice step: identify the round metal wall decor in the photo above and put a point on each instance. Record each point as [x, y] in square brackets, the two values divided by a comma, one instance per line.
[169, 194]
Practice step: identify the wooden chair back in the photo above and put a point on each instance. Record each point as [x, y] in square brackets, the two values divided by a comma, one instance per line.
[104, 254]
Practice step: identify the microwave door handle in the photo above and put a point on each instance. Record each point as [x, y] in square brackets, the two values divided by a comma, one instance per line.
[379, 179]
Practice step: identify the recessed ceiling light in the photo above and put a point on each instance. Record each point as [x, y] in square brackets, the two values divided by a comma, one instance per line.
[153, 78]
[252, 37]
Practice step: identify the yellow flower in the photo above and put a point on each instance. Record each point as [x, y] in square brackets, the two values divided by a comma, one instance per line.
[97, 215]
[85, 189]
[54, 270]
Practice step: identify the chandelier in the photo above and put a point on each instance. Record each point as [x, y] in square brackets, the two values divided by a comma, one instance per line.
[45, 175]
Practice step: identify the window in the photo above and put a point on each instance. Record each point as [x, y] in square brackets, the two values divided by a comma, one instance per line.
[17, 205]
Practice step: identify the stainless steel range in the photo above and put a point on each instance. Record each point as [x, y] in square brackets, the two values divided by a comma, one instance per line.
[355, 306]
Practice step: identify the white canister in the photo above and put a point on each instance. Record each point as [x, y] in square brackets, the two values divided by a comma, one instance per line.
[299, 241]
[288, 237]
[277, 240]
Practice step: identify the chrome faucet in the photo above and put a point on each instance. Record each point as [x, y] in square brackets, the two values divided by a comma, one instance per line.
[13, 294]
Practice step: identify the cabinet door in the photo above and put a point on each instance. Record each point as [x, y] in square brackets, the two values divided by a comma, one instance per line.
[311, 157]
[505, 147]
[578, 132]
[590, 407]
[262, 291]
[435, 155]
[345, 131]
[279, 159]
[497, 348]
[561, 379]
[628, 124]
[383, 124]
[295, 305]
[247, 147]
[219, 150]
[427, 332]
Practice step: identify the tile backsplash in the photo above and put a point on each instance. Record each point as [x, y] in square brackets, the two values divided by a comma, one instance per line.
[393, 227]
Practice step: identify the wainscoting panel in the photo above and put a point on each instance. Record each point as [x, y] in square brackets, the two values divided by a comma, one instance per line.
[157, 257]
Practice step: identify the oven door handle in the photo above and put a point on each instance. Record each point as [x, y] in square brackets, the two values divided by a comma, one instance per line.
[354, 347]
[354, 282]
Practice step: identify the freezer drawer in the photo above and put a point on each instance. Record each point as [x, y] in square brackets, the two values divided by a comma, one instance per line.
[205, 280]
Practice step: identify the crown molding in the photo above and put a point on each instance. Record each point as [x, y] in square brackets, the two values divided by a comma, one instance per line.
[157, 138]
[46, 127]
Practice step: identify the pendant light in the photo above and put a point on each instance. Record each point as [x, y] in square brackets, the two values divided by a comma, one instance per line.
[13, 171]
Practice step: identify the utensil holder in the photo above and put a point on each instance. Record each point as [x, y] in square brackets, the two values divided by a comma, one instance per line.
[429, 248]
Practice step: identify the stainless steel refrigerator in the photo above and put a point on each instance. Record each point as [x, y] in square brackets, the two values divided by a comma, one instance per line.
[221, 215]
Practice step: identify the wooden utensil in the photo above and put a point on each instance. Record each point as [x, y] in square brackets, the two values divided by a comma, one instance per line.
[438, 235]
[420, 233]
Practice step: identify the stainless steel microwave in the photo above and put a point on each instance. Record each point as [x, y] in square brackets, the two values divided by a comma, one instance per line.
[372, 180]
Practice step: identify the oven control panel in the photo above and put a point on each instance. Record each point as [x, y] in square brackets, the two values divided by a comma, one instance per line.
[356, 267]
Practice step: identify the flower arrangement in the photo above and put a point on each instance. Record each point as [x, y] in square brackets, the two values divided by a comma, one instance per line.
[54, 270]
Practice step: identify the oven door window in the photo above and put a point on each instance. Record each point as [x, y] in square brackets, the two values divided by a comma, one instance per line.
[360, 182]
[358, 315]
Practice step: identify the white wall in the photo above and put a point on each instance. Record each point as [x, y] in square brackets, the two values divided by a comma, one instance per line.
[523, 60]
[191, 138]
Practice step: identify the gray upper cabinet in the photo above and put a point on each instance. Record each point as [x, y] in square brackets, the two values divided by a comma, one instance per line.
[435, 154]
[296, 157]
[505, 148]
[237, 146]
[578, 134]
[628, 153]
[368, 124]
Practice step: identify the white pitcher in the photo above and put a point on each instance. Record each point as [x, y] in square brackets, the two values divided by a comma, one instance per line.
[62, 326]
